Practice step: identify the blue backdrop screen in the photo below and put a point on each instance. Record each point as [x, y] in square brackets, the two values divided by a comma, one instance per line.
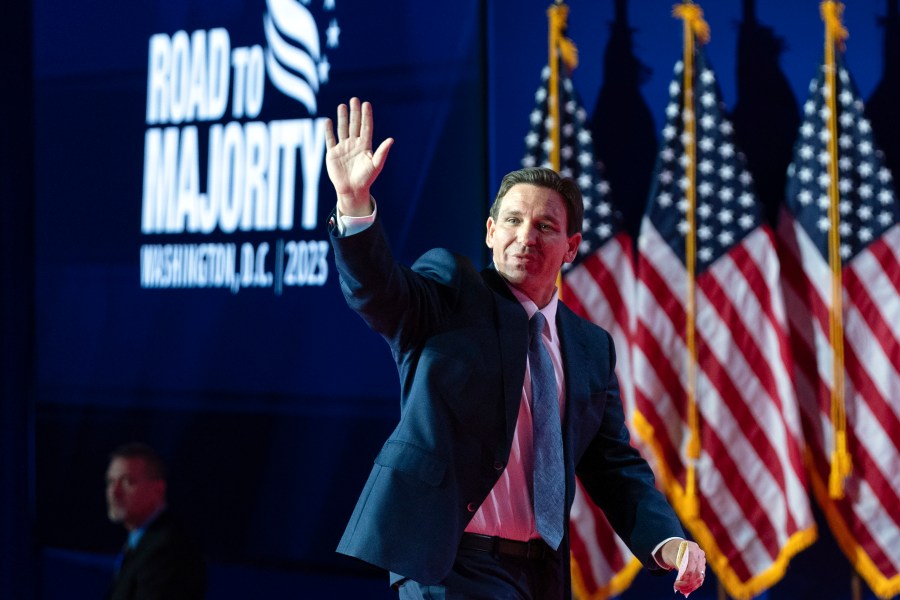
[185, 286]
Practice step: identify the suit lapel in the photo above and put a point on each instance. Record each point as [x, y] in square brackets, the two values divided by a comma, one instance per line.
[512, 326]
[575, 356]
[512, 321]
[122, 580]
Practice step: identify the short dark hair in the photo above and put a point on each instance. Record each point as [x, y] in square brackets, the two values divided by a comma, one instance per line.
[156, 468]
[550, 179]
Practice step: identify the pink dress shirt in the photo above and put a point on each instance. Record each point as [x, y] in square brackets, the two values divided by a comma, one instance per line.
[508, 510]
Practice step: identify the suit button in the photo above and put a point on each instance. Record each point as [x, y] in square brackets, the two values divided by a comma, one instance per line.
[472, 507]
[498, 466]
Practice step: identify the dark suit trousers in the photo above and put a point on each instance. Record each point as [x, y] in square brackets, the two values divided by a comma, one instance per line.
[479, 575]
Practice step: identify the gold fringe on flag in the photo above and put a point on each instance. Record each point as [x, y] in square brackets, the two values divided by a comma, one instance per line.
[694, 28]
[841, 465]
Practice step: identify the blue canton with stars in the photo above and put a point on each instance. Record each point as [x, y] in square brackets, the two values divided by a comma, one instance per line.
[576, 157]
[867, 205]
[726, 206]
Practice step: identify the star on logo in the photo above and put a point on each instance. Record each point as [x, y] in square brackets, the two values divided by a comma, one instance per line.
[332, 34]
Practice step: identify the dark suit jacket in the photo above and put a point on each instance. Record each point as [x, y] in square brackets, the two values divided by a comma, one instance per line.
[460, 340]
[166, 564]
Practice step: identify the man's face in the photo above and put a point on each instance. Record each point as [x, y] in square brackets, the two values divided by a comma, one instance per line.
[132, 495]
[529, 240]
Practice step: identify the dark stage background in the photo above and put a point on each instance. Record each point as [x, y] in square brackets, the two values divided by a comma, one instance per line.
[266, 395]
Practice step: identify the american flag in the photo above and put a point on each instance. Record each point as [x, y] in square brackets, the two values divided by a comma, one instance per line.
[752, 508]
[866, 521]
[597, 286]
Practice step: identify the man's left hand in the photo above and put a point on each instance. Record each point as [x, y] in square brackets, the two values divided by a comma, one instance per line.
[690, 562]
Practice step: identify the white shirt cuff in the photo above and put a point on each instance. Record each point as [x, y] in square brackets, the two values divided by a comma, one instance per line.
[347, 225]
[656, 552]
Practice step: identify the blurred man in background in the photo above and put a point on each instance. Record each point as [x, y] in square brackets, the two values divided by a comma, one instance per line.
[159, 560]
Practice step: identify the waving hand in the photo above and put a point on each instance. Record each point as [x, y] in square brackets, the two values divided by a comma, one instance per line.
[351, 164]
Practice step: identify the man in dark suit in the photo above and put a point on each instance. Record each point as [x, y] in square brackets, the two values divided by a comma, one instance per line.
[160, 560]
[470, 495]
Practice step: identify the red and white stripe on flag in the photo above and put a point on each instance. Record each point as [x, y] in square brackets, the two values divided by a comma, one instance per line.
[866, 521]
[602, 565]
[754, 512]
[600, 288]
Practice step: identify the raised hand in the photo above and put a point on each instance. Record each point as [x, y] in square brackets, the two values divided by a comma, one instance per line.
[351, 164]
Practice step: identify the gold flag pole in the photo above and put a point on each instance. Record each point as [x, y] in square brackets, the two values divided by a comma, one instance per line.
[841, 465]
[694, 27]
[559, 47]
[557, 16]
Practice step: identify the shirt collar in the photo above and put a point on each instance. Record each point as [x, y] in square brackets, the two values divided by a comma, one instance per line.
[548, 311]
[135, 535]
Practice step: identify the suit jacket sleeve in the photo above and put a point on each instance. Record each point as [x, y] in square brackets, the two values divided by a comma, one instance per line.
[619, 480]
[403, 304]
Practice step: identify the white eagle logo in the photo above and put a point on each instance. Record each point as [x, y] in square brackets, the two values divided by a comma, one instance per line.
[294, 60]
